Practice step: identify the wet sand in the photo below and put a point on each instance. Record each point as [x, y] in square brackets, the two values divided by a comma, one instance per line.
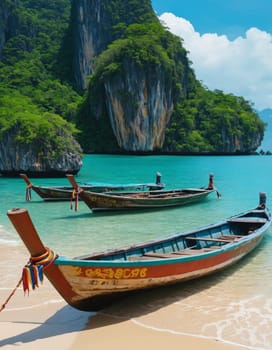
[31, 323]
[43, 320]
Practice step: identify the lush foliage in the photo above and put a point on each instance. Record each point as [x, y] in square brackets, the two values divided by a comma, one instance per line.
[48, 133]
[202, 120]
[147, 46]
[33, 96]
[38, 95]
[213, 122]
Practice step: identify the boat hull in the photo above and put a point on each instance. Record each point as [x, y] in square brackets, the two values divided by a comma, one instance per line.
[54, 194]
[109, 202]
[96, 285]
[91, 282]
[66, 193]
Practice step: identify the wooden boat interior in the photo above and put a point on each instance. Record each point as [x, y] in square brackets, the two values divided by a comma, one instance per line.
[207, 239]
[159, 194]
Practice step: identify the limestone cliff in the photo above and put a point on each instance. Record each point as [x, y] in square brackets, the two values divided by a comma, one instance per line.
[16, 158]
[97, 23]
[91, 34]
[6, 22]
[139, 80]
[138, 97]
[34, 137]
[140, 93]
[237, 143]
[139, 107]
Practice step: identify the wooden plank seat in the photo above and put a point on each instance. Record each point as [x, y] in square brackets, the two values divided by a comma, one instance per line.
[248, 220]
[196, 251]
[172, 255]
[233, 237]
[158, 255]
[208, 239]
[135, 258]
[150, 255]
[189, 251]
[209, 249]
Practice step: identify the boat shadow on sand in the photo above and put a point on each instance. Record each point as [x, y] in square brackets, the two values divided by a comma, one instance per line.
[68, 320]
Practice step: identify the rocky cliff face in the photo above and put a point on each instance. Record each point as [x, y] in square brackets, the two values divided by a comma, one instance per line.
[91, 34]
[93, 26]
[6, 22]
[239, 144]
[20, 23]
[139, 107]
[16, 158]
[137, 101]
[137, 92]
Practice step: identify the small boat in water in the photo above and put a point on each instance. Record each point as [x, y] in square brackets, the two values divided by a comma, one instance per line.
[65, 193]
[142, 200]
[91, 282]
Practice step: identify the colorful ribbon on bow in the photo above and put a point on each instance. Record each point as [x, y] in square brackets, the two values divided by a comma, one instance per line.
[33, 272]
[75, 198]
[31, 276]
[28, 192]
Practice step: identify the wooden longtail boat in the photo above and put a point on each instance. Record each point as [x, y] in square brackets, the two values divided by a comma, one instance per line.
[91, 282]
[64, 193]
[142, 200]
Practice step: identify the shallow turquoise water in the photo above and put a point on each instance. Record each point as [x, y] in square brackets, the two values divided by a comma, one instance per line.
[239, 180]
[233, 306]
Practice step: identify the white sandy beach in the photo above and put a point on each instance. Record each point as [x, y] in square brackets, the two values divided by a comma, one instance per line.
[43, 320]
[33, 325]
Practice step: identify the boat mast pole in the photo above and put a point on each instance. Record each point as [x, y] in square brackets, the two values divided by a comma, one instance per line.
[24, 176]
[72, 181]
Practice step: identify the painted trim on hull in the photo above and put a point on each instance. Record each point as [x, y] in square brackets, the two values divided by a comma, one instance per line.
[128, 285]
[62, 260]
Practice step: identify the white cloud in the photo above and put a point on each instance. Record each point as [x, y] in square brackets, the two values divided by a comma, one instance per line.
[242, 66]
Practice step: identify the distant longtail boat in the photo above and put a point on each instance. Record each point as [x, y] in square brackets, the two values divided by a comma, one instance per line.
[110, 201]
[65, 193]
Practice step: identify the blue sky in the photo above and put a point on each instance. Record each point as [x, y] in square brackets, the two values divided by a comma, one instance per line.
[228, 41]
[230, 17]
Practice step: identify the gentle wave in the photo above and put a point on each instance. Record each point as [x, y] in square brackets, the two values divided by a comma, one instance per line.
[234, 306]
[36, 306]
[7, 239]
[195, 335]
[9, 242]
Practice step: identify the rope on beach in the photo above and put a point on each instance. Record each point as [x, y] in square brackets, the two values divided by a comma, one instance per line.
[33, 273]
[28, 192]
[11, 294]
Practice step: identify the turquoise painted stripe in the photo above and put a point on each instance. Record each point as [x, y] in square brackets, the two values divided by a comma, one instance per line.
[61, 260]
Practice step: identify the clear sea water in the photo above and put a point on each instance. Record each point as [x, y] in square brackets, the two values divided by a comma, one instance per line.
[237, 305]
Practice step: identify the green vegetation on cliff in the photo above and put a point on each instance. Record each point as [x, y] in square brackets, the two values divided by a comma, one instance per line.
[212, 122]
[36, 81]
[202, 120]
[48, 133]
[32, 96]
[146, 45]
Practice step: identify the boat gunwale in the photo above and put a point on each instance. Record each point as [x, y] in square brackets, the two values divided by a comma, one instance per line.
[229, 246]
[63, 260]
[130, 195]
